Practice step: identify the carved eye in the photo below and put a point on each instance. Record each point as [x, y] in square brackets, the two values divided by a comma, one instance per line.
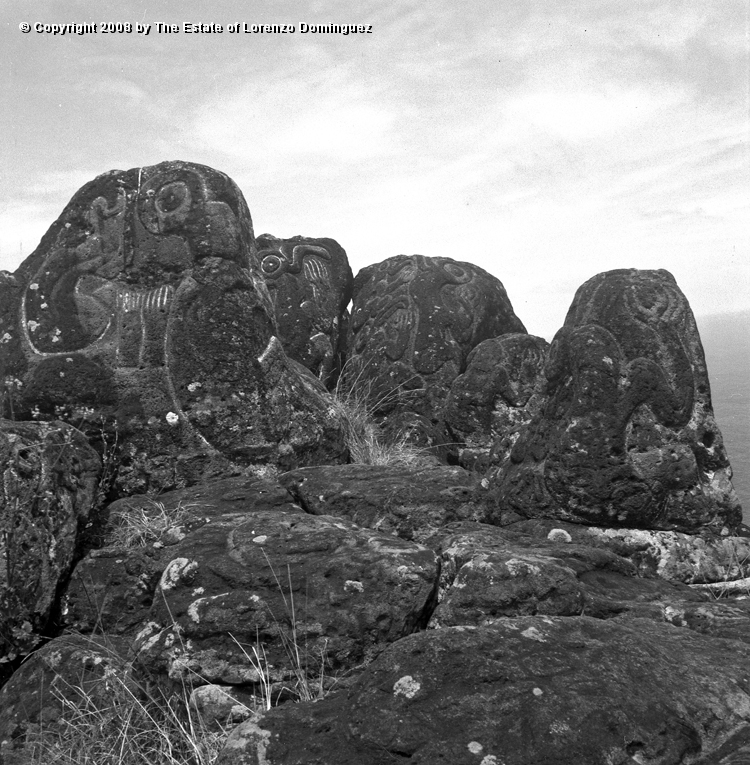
[172, 197]
[270, 264]
[455, 270]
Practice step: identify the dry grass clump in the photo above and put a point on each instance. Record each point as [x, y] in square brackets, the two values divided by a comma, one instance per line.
[141, 526]
[125, 725]
[356, 404]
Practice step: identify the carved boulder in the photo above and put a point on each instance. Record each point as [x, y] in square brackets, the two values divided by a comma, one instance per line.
[414, 321]
[497, 395]
[310, 283]
[627, 436]
[144, 310]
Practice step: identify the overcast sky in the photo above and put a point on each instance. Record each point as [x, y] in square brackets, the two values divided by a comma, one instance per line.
[543, 141]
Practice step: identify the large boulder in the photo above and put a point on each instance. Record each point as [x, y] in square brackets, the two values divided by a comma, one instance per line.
[627, 436]
[112, 587]
[409, 502]
[68, 671]
[498, 394]
[304, 591]
[523, 691]
[49, 488]
[144, 311]
[414, 321]
[310, 283]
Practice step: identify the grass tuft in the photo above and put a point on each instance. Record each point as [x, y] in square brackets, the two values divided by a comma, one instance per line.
[141, 526]
[123, 724]
[356, 405]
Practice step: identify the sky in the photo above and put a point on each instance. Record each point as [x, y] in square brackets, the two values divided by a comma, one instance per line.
[543, 141]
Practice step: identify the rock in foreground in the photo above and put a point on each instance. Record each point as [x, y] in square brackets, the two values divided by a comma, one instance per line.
[522, 692]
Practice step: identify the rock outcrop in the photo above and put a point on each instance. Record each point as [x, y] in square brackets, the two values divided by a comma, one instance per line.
[310, 283]
[572, 589]
[146, 305]
[414, 321]
[49, 478]
[495, 398]
[528, 690]
[627, 436]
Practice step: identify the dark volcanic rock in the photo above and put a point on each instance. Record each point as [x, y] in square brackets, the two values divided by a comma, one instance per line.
[112, 588]
[310, 283]
[49, 486]
[61, 671]
[410, 502]
[497, 395]
[144, 309]
[337, 592]
[627, 436]
[521, 692]
[414, 321]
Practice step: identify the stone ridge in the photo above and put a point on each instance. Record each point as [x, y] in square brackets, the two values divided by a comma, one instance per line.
[441, 538]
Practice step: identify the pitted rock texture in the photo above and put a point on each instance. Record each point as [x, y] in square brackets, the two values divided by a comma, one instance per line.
[414, 321]
[49, 485]
[112, 587]
[409, 502]
[144, 309]
[337, 592]
[61, 671]
[627, 436]
[523, 691]
[498, 394]
[490, 574]
[310, 283]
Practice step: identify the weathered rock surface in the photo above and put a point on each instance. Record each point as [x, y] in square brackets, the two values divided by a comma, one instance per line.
[490, 574]
[414, 321]
[49, 485]
[62, 669]
[497, 395]
[410, 502]
[145, 306]
[310, 283]
[338, 592]
[112, 588]
[627, 436]
[522, 691]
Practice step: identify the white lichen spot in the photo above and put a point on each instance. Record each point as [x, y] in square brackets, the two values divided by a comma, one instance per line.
[260, 540]
[198, 591]
[559, 535]
[537, 692]
[559, 728]
[490, 759]
[69, 360]
[193, 612]
[739, 703]
[146, 634]
[193, 386]
[321, 498]
[350, 585]
[533, 634]
[32, 325]
[518, 567]
[34, 286]
[177, 570]
[406, 686]
[475, 747]
[6, 338]
[172, 418]
[255, 598]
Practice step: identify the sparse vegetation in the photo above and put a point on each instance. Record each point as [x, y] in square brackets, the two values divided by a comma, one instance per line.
[123, 724]
[141, 526]
[356, 404]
